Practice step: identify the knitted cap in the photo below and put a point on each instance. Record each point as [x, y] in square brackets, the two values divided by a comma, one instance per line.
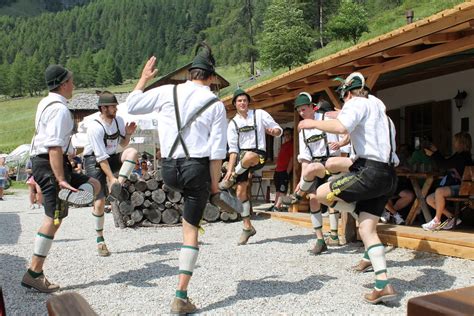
[203, 58]
[55, 75]
[106, 98]
[239, 92]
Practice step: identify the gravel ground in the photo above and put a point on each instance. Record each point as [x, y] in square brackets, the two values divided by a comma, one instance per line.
[273, 274]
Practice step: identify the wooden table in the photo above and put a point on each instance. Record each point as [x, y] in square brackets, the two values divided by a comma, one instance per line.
[420, 201]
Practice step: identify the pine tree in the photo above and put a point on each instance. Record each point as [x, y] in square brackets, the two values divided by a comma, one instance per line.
[350, 22]
[286, 38]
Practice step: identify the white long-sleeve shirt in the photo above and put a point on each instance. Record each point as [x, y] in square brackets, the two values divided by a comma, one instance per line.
[205, 137]
[368, 126]
[246, 139]
[316, 143]
[95, 137]
[54, 125]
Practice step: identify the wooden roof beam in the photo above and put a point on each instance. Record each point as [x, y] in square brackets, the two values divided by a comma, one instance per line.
[296, 85]
[316, 78]
[333, 97]
[344, 70]
[400, 51]
[441, 38]
[369, 61]
[371, 80]
[278, 91]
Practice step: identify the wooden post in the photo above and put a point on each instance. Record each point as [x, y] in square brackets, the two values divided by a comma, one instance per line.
[348, 227]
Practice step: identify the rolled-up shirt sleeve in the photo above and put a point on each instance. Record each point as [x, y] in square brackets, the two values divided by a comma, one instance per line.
[351, 115]
[232, 138]
[58, 130]
[139, 102]
[269, 122]
[218, 135]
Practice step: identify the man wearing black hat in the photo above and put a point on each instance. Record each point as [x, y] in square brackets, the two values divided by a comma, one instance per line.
[53, 172]
[247, 148]
[191, 128]
[101, 159]
[371, 180]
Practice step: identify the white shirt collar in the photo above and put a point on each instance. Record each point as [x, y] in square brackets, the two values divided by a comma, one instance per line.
[189, 82]
[57, 96]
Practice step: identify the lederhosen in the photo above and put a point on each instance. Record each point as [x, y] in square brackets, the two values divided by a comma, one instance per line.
[189, 175]
[321, 159]
[261, 153]
[92, 167]
[44, 177]
[369, 183]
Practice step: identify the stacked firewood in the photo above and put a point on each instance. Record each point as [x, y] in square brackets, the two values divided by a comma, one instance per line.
[151, 203]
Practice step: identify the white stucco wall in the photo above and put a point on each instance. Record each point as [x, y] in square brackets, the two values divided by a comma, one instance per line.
[436, 89]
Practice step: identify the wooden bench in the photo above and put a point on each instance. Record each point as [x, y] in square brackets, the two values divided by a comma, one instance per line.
[466, 191]
[453, 302]
[69, 304]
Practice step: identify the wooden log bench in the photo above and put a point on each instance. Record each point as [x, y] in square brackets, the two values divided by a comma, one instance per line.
[466, 191]
[453, 302]
[69, 304]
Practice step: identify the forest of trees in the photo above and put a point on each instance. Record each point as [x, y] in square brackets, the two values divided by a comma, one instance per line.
[106, 41]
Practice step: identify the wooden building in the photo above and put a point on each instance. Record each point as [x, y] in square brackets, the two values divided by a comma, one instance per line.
[417, 70]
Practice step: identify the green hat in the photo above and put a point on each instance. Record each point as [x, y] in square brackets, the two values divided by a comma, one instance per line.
[239, 92]
[303, 98]
[203, 58]
[55, 75]
[106, 98]
[354, 81]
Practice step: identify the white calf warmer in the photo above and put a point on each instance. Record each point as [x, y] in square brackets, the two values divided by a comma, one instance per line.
[305, 185]
[333, 221]
[42, 245]
[246, 209]
[239, 169]
[127, 168]
[99, 222]
[317, 219]
[377, 257]
[187, 259]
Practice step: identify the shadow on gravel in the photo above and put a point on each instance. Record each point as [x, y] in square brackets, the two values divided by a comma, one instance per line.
[138, 278]
[419, 259]
[10, 227]
[11, 272]
[156, 249]
[296, 239]
[250, 289]
[432, 280]
[67, 240]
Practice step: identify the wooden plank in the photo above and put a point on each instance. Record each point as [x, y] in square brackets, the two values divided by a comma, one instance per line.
[275, 92]
[401, 51]
[345, 70]
[371, 80]
[441, 38]
[428, 246]
[369, 61]
[316, 78]
[334, 98]
[414, 31]
[348, 227]
[296, 85]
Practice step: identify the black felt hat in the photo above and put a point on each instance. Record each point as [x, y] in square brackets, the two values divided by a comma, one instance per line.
[203, 58]
[55, 75]
[106, 98]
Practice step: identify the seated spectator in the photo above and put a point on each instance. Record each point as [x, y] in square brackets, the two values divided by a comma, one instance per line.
[284, 166]
[144, 167]
[138, 169]
[450, 184]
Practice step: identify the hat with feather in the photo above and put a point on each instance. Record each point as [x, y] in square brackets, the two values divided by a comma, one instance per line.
[203, 58]
[354, 81]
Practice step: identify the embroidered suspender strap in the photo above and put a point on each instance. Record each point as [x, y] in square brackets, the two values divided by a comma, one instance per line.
[179, 137]
[307, 144]
[105, 133]
[390, 140]
[36, 127]
[255, 128]
[118, 129]
[326, 140]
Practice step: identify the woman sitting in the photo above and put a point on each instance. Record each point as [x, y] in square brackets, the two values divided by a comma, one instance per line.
[450, 184]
